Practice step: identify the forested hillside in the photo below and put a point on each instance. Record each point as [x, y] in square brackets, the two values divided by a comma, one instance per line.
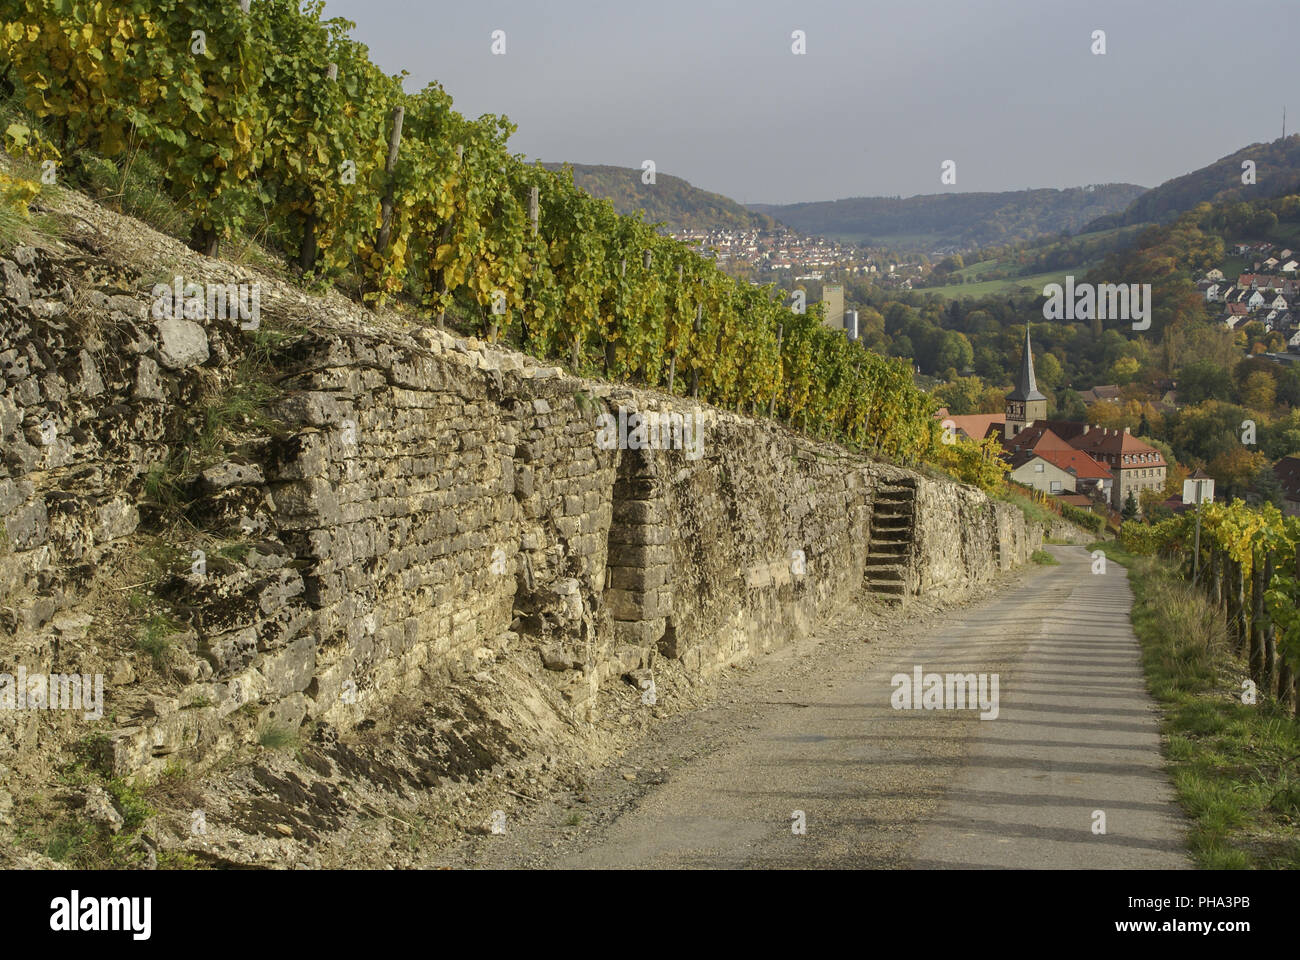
[1277, 172]
[669, 200]
[958, 221]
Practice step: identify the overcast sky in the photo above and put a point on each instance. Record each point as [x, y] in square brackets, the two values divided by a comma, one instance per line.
[710, 90]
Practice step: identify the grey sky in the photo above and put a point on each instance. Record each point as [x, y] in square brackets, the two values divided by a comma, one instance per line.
[710, 90]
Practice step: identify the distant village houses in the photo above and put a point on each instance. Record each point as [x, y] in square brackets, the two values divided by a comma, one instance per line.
[1268, 293]
[1062, 457]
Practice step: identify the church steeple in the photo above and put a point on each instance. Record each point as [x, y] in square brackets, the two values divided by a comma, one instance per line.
[1025, 404]
[1026, 386]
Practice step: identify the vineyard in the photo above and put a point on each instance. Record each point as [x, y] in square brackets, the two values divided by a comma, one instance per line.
[265, 112]
[1248, 562]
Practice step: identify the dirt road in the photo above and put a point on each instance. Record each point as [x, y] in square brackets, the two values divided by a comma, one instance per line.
[808, 738]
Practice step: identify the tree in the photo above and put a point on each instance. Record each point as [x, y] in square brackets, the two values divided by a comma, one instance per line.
[870, 322]
[1130, 510]
[1264, 222]
[954, 351]
[1259, 391]
[961, 396]
[1204, 432]
[1070, 406]
[948, 265]
[1149, 500]
[1282, 437]
[989, 364]
[1124, 369]
[1268, 488]
[1048, 370]
[1204, 380]
[901, 346]
[992, 400]
[1235, 470]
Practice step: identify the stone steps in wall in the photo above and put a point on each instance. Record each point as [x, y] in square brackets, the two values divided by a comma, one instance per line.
[891, 523]
[892, 574]
[893, 515]
[875, 559]
[889, 590]
[892, 535]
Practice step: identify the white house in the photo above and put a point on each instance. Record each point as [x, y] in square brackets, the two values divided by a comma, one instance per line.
[1255, 301]
[1213, 293]
[1215, 274]
[1289, 266]
[1042, 474]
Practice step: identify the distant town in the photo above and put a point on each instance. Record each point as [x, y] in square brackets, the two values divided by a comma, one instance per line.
[1267, 294]
[759, 252]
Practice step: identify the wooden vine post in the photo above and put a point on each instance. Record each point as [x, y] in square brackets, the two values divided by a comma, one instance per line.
[695, 370]
[446, 237]
[307, 255]
[386, 207]
[771, 402]
[1257, 585]
[672, 357]
[611, 351]
[1286, 677]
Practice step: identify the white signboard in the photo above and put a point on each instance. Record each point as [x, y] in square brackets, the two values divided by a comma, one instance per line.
[1206, 491]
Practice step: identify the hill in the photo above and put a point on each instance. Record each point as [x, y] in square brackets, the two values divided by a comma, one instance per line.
[954, 221]
[1277, 172]
[669, 200]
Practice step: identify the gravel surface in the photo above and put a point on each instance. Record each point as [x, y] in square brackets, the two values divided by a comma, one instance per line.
[810, 728]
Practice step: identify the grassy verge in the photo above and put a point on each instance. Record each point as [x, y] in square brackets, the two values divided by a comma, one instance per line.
[1034, 512]
[1043, 557]
[1233, 765]
[1114, 551]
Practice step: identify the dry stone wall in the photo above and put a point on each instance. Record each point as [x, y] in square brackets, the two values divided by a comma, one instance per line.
[405, 505]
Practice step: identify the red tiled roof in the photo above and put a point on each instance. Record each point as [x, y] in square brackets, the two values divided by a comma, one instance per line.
[1067, 430]
[976, 425]
[1111, 446]
[1037, 437]
[1076, 462]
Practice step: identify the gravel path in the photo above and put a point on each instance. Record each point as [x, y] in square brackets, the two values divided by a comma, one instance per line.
[810, 728]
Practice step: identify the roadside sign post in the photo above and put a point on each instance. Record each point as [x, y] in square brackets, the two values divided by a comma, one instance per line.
[1198, 489]
[1196, 555]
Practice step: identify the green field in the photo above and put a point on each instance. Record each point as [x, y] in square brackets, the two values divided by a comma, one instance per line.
[1034, 282]
[1232, 267]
